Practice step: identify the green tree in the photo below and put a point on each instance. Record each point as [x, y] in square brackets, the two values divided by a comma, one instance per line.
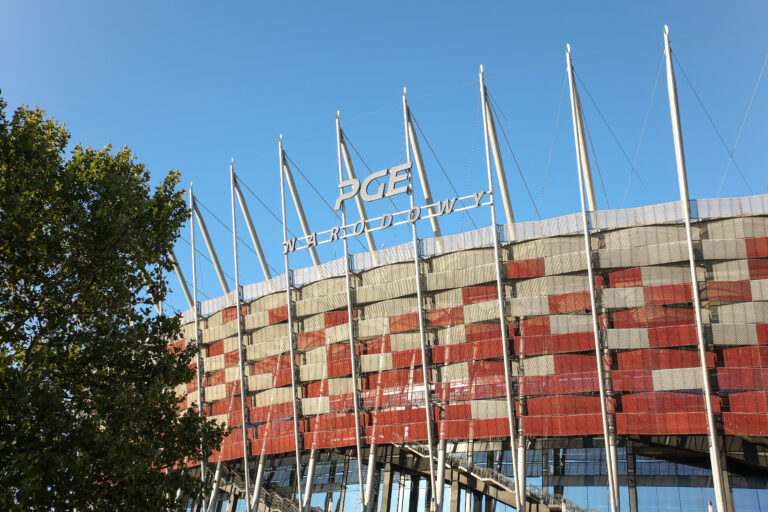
[88, 415]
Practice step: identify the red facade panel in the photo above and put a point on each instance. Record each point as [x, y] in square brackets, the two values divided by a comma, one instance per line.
[569, 302]
[653, 317]
[215, 349]
[729, 291]
[746, 424]
[666, 401]
[404, 323]
[310, 339]
[748, 357]
[661, 359]
[458, 391]
[742, 378]
[632, 380]
[334, 318]
[534, 326]
[229, 314]
[523, 269]
[673, 336]
[231, 358]
[562, 404]
[467, 351]
[626, 278]
[758, 269]
[444, 316]
[554, 343]
[562, 426]
[751, 401]
[475, 294]
[662, 423]
[757, 247]
[278, 315]
[585, 382]
[668, 294]
[482, 331]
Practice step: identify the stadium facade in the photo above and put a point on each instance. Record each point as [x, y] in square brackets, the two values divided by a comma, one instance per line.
[605, 360]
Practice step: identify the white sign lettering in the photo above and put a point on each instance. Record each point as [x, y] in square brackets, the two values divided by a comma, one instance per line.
[397, 175]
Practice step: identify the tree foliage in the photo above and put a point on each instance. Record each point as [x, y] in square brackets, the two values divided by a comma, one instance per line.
[88, 415]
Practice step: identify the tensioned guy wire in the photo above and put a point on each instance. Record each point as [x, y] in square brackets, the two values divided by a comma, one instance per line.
[439, 163]
[243, 242]
[280, 222]
[495, 105]
[514, 158]
[642, 131]
[319, 194]
[594, 156]
[554, 134]
[743, 122]
[712, 122]
[347, 139]
[615, 138]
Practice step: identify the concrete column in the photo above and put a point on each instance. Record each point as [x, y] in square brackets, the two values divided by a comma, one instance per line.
[726, 476]
[454, 494]
[631, 484]
[401, 493]
[468, 495]
[232, 502]
[413, 498]
[544, 467]
[343, 493]
[477, 502]
[386, 497]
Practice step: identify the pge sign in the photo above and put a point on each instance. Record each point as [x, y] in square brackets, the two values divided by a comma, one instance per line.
[397, 175]
[393, 181]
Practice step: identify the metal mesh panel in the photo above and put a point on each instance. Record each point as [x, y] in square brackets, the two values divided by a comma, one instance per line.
[646, 331]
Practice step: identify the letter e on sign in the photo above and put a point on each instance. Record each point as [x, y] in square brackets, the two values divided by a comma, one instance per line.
[395, 177]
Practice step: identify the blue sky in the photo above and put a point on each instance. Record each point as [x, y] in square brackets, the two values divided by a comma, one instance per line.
[191, 85]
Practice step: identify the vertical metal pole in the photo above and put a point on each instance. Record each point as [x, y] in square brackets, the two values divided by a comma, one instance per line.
[422, 336]
[216, 486]
[182, 281]
[196, 306]
[440, 478]
[310, 478]
[351, 325]
[714, 444]
[581, 139]
[358, 199]
[520, 493]
[299, 209]
[211, 249]
[254, 503]
[521, 464]
[421, 169]
[232, 502]
[240, 349]
[612, 484]
[501, 175]
[252, 231]
[369, 476]
[289, 303]
[401, 492]
[343, 493]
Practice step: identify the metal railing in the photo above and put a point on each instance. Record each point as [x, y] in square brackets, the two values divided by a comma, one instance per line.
[500, 479]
